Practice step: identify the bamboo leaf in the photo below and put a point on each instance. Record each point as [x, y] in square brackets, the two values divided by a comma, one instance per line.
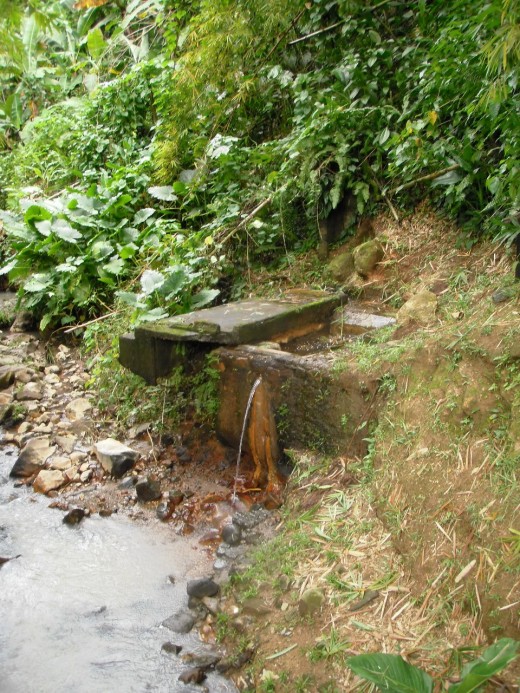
[391, 674]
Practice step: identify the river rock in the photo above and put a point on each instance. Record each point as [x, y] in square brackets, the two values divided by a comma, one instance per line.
[78, 408]
[310, 601]
[66, 443]
[193, 675]
[203, 587]
[231, 534]
[366, 256]
[114, 457]
[164, 511]
[148, 490]
[59, 462]
[32, 457]
[30, 392]
[74, 516]
[171, 648]
[255, 606]
[49, 480]
[341, 267]
[419, 308]
[180, 622]
[7, 375]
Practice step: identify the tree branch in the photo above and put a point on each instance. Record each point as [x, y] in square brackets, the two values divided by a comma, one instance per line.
[422, 179]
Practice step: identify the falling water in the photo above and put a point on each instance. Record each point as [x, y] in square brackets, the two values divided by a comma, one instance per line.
[248, 407]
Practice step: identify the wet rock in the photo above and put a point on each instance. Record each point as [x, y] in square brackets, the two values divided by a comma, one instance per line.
[32, 457]
[203, 660]
[231, 534]
[114, 457]
[77, 457]
[74, 516]
[78, 408]
[341, 267]
[250, 519]
[176, 497]
[180, 622]
[230, 552]
[310, 601]
[4, 560]
[194, 675]
[106, 512]
[366, 256]
[171, 648]
[30, 392]
[203, 587]
[220, 564]
[25, 375]
[49, 480]
[164, 511]
[235, 661]
[419, 308]
[148, 490]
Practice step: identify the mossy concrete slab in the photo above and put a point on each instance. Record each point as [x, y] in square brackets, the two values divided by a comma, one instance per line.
[153, 350]
[245, 322]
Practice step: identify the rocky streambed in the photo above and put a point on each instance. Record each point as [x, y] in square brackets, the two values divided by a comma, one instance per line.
[117, 548]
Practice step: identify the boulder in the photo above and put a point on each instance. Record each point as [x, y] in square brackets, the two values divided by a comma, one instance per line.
[419, 308]
[180, 622]
[32, 457]
[59, 462]
[341, 267]
[366, 256]
[49, 480]
[8, 375]
[114, 457]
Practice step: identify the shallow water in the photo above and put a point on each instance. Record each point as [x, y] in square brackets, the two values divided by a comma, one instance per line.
[81, 609]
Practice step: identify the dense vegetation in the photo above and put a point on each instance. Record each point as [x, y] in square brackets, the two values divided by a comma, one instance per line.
[152, 148]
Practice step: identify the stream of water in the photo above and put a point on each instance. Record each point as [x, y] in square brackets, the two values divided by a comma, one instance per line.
[81, 609]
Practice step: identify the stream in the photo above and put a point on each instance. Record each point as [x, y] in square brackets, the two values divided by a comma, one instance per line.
[81, 608]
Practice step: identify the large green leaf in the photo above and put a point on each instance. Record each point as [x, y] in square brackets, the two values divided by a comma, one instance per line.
[163, 192]
[174, 282]
[390, 673]
[202, 298]
[495, 658]
[64, 230]
[151, 281]
[96, 43]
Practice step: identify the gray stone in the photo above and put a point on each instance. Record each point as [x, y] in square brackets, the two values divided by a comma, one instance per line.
[180, 622]
[59, 462]
[30, 392]
[148, 490]
[341, 267]
[7, 375]
[193, 675]
[49, 480]
[310, 601]
[66, 443]
[203, 587]
[78, 408]
[23, 322]
[355, 322]
[366, 256]
[231, 534]
[32, 457]
[171, 648]
[114, 457]
[420, 308]
[250, 519]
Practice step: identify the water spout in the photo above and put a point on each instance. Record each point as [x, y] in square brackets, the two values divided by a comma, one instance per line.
[244, 425]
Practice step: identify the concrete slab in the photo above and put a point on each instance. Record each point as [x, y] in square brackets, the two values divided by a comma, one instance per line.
[357, 322]
[246, 321]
